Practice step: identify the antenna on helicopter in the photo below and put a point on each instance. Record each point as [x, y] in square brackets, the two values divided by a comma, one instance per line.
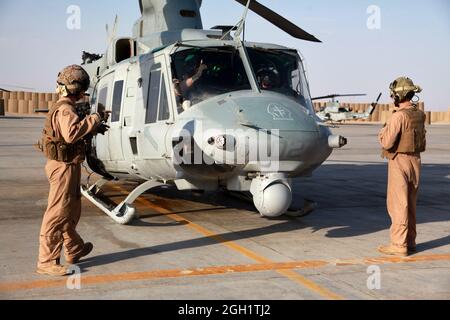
[238, 26]
[111, 35]
[241, 23]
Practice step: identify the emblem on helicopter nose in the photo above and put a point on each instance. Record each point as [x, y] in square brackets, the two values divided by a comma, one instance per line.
[279, 112]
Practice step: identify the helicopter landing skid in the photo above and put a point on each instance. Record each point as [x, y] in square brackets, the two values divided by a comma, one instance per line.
[124, 212]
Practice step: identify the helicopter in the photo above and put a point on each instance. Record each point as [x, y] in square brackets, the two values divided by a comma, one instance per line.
[202, 109]
[334, 112]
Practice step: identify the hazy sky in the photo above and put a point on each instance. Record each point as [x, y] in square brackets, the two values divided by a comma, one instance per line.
[413, 40]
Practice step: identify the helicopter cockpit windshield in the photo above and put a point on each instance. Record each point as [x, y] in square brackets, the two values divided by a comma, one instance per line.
[280, 71]
[201, 73]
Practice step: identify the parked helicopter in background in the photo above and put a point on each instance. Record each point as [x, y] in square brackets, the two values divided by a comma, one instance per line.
[335, 112]
[194, 108]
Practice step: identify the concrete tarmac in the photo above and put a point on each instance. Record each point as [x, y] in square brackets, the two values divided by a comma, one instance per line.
[214, 246]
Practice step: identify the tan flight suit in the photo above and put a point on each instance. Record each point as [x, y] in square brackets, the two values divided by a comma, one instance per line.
[402, 140]
[64, 200]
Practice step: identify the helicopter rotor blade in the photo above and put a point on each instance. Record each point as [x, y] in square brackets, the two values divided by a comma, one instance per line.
[331, 96]
[279, 21]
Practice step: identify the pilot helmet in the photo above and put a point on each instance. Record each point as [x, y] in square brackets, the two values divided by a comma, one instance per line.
[268, 77]
[191, 62]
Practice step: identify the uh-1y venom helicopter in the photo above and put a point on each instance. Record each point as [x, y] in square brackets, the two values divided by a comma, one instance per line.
[195, 107]
[335, 112]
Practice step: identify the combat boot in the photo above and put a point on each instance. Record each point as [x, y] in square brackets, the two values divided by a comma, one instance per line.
[412, 249]
[87, 248]
[393, 250]
[53, 269]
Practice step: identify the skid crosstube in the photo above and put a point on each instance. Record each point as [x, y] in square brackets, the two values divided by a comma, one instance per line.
[124, 212]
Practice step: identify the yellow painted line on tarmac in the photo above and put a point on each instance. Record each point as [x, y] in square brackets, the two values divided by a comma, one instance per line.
[291, 274]
[244, 251]
[284, 267]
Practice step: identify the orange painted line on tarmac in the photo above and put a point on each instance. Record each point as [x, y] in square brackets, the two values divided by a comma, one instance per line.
[160, 274]
[282, 267]
[413, 258]
[28, 285]
[244, 251]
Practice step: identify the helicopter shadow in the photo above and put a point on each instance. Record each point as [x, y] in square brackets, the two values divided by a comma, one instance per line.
[352, 199]
[351, 202]
[285, 226]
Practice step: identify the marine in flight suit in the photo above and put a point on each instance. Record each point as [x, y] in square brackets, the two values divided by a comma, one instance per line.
[402, 141]
[62, 143]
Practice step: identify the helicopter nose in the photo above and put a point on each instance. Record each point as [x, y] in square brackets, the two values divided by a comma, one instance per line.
[301, 141]
[275, 112]
[232, 129]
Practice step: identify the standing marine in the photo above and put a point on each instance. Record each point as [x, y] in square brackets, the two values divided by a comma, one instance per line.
[64, 146]
[402, 140]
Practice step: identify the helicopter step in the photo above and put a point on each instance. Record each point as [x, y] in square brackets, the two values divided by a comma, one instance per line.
[124, 212]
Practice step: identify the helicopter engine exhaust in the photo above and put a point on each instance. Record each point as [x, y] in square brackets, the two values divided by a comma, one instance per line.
[272, 194]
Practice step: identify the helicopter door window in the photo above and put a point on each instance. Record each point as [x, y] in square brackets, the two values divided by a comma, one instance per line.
[117, 101]
[164, 112]
[93, 97]
[153, 95]
[101, 106]
[202, 73]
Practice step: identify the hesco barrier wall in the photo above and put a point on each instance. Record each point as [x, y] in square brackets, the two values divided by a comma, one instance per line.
[384, 111]
[21, 102]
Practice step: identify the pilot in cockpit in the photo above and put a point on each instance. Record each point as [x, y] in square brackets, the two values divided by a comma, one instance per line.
[192, 72]
[268, 77]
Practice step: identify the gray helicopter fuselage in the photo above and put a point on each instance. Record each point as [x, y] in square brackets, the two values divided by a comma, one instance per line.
[203, 110]
[141, 142]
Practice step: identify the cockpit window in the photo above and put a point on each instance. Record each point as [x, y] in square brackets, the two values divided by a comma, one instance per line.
[280, 71]
[202, 73]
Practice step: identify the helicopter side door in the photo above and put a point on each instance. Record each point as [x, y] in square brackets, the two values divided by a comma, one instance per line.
[129, 106]
[116, 118]
[157, 118]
